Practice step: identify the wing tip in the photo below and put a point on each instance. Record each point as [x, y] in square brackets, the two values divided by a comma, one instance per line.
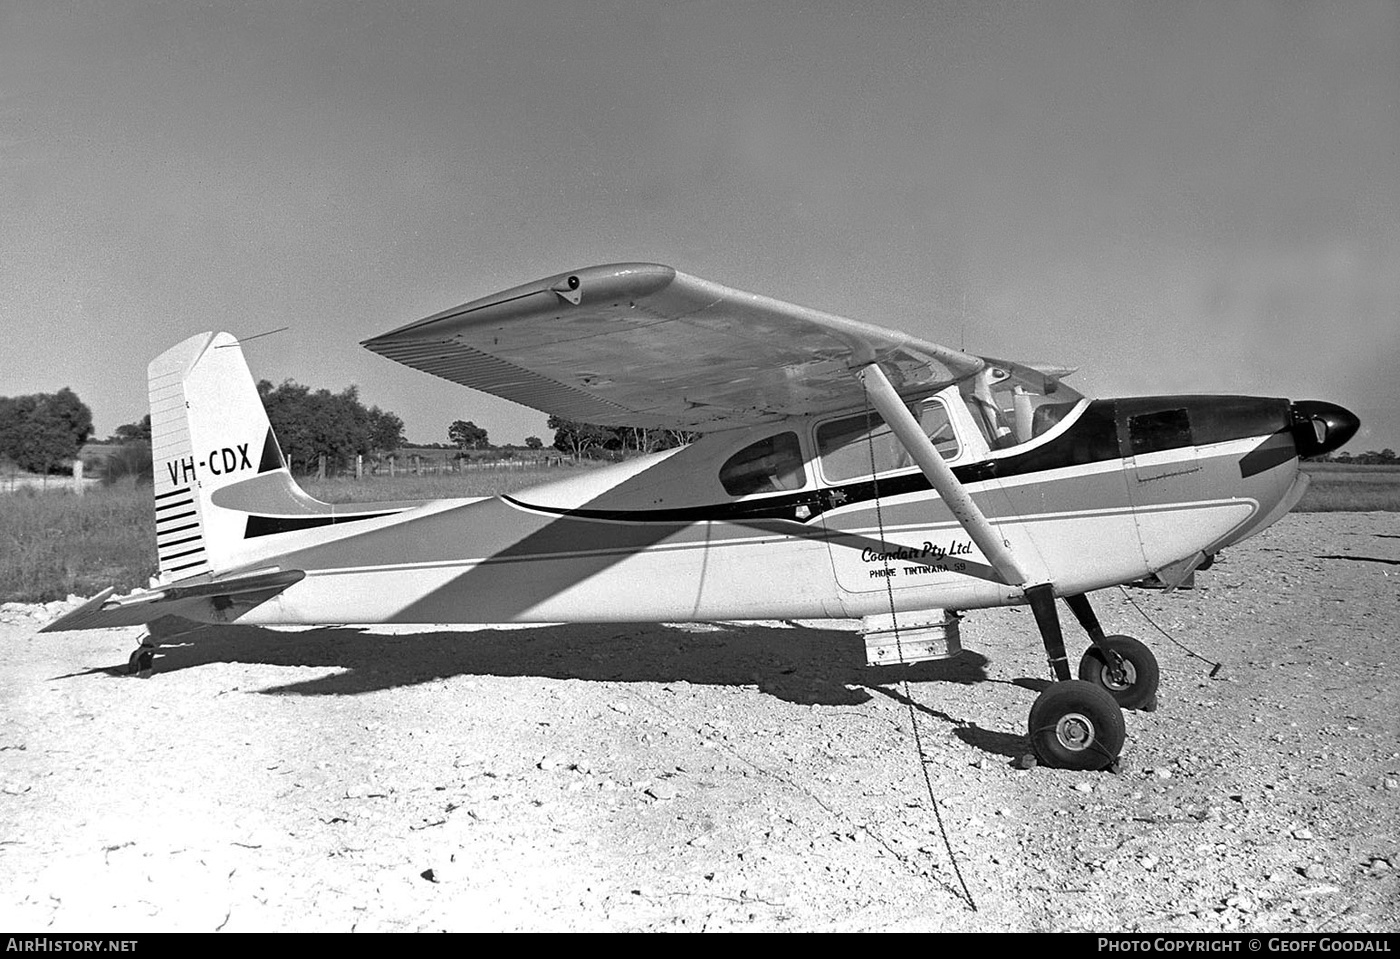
[637, 279]
[75, 618]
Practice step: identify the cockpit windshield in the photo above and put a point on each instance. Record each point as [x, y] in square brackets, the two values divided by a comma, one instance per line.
[1013, 404]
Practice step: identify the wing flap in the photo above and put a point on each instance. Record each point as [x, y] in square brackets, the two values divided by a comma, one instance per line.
[646, 345]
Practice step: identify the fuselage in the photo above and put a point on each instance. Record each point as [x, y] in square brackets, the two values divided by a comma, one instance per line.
[811, 518]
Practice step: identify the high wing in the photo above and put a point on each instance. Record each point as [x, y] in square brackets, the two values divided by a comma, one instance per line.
[640, 344]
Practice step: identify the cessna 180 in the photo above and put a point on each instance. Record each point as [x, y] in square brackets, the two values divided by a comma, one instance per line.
[844, 470]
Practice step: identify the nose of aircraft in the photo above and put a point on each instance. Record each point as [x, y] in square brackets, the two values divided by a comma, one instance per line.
[1320, 427]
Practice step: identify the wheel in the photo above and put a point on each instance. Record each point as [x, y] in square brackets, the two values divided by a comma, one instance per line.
[1076, 725]
[1136, 688]
[140, 662]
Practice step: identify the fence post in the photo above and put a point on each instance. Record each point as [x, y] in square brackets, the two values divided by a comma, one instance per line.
[321, 467]
[359, 466]
[78, 477]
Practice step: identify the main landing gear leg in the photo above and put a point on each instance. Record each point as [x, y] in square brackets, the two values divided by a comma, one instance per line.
[1073, 724]
[1119, 664]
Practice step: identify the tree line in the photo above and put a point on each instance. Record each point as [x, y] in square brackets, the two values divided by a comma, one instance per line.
[1385, 457]
[590, 441]
[311, 424]
[579, 440]
[45, 432]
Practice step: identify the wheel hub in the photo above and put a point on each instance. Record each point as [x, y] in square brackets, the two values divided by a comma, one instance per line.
[1117, 680]
[1075, 731]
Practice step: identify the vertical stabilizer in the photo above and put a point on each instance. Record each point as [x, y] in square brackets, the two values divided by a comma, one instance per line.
[208, 430]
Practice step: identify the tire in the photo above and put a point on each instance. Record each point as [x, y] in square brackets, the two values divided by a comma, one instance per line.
[1076, 725]
[1140, 690]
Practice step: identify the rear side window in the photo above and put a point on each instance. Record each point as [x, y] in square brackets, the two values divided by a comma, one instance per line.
[1164, 430]
[771, 465]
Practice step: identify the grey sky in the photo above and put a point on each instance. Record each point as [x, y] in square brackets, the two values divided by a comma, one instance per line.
[1172, 196]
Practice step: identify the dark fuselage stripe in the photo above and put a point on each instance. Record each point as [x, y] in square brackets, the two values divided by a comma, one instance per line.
[1098, 435]
[269, 525]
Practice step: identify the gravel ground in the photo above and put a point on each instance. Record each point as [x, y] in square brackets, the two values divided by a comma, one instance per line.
[739, 776]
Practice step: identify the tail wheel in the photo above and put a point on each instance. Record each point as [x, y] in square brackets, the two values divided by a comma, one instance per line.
[1076, 725]
[141, 661]
[1135, 685]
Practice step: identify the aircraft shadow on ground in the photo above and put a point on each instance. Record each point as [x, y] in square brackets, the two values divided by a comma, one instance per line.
[797, 664]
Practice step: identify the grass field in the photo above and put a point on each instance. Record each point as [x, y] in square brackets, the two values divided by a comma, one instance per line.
[1351, 489]
[54, 543]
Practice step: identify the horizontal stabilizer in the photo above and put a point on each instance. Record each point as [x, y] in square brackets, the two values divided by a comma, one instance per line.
[211, 601]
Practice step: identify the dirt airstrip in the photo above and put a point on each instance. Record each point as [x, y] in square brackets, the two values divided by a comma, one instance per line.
[745, 776]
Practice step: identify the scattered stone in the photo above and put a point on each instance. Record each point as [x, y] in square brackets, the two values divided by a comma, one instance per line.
[1026, 761]
[1314, 870]
[662, 791]
[1083, 787]
[1392, 783]
[442, 872]
[1302, 833]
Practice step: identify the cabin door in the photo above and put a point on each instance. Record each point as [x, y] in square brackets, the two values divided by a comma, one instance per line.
[885, 528]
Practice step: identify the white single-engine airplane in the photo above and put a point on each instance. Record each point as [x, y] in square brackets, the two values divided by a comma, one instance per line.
[844, 471]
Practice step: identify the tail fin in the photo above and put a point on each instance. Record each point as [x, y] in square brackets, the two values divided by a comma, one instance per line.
[208, 431]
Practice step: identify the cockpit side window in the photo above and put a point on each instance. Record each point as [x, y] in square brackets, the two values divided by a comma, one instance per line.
[772, 465]
[849, 447]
